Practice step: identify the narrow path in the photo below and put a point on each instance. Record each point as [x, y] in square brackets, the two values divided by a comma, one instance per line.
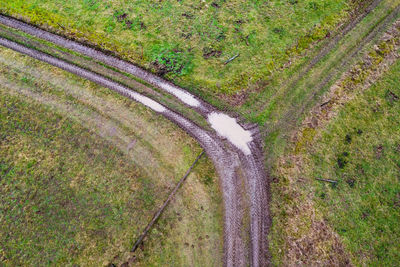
[235, 152]
[327, 47]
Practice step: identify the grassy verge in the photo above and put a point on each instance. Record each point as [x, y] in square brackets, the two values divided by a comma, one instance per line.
[65, 196]
[350, 139]
[189, 41]
[83, 170]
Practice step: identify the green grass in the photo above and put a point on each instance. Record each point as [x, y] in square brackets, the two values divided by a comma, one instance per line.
[176, 35]
[354, 220]
[361, 150]
[82, 171]
[191, 40]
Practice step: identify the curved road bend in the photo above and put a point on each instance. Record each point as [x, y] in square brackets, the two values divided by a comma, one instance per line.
[234, 168]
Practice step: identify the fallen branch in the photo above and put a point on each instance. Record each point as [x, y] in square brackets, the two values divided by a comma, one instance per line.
[325, 103]
[160, 211]
[231, 59]
[326, 180]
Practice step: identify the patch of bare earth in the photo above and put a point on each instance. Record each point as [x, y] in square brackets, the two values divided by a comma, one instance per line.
[307, 238]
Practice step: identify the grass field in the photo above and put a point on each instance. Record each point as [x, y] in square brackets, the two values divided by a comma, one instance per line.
[352, 140]
[83, 170]
[361, 150]
[189, 41]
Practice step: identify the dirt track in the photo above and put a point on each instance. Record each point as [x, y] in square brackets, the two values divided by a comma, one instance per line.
[242, 177]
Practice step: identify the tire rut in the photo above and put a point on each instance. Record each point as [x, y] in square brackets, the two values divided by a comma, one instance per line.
[233, 166]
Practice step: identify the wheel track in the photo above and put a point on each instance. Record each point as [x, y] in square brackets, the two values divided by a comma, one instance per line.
[185, 97]
[227, 159]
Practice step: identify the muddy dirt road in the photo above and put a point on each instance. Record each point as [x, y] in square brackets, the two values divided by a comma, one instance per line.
[235, 149]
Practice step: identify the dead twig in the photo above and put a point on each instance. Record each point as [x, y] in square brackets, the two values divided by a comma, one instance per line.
[232, 58]
[327, 180]
[325, 103]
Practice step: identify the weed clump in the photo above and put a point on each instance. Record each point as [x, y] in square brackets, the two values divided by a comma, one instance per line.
[351, 182]
[167, 59]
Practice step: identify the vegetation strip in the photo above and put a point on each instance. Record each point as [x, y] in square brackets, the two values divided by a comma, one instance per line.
[290, 115]
[162, 208]
[188, 40]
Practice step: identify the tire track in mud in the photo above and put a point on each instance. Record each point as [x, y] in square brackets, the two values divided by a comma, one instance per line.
[234, 167]
[106, 71]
